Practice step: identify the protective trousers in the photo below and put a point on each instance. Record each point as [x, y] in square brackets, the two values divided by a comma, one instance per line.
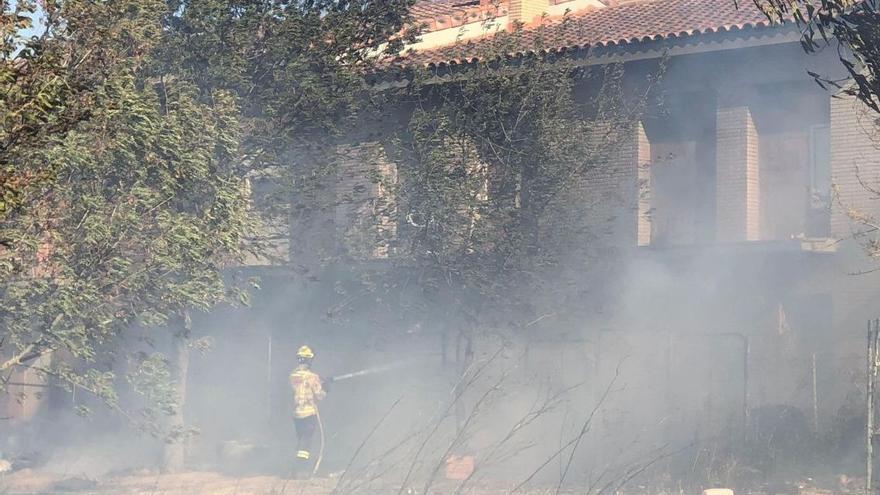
[305, 430]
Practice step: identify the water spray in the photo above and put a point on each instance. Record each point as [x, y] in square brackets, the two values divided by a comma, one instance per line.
[373, 370]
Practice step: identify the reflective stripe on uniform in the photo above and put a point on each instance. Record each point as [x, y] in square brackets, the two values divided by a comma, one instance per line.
[303, 454]
[304, 412]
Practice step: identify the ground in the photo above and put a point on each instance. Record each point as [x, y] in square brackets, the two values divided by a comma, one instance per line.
[28, 482]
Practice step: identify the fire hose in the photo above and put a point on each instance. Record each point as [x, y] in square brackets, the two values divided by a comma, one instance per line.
[321, 449]
[339, 378]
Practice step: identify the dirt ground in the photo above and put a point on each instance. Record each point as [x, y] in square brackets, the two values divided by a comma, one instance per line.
[29, 482]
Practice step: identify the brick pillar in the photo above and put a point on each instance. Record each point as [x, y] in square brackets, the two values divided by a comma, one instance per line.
[737, 185]
[643, 164]
[855, 164]
[527, 11]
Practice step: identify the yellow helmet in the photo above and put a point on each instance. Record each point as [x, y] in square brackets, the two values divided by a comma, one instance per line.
[305, 352]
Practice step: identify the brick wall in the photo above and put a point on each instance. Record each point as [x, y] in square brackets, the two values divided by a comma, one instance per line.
[643, 163]
[365, 222]
[613, 194]
[312, 232]
[271, 229]
[855, 170]
[855, 163]
[737, 186]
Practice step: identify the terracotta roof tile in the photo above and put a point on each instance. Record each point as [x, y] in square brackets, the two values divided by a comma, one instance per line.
[432, 9]
[625, 23]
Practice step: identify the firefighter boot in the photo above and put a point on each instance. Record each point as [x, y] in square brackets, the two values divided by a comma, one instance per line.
[302, 468]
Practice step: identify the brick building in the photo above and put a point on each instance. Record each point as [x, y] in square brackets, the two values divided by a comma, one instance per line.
[719, 266]
[726, 238]
[745, 123]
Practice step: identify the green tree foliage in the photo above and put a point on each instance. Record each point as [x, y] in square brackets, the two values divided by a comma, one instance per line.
[297, 67]
[489, 192]
[127, 130]
[127, 199]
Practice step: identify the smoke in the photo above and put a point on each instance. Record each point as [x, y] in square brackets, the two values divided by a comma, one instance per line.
[659, 360]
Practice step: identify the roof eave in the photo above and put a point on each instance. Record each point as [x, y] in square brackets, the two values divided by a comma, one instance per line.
[630, 50]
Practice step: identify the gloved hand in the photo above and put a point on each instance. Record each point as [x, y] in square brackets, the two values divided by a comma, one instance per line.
[325, 383]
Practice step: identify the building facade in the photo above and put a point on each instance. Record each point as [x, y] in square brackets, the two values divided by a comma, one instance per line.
[727, 257]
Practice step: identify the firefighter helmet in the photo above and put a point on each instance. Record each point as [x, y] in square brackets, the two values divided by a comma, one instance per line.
[305, 352]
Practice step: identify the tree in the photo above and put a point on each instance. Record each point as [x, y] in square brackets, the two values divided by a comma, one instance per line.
[128, 128]
[488, 194]
[489, 201]
[297, 68]
[127, 200]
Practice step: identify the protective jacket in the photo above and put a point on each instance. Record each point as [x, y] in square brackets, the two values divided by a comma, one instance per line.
[307, 391]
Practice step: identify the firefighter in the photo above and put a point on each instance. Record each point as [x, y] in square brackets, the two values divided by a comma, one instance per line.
[307, 391]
